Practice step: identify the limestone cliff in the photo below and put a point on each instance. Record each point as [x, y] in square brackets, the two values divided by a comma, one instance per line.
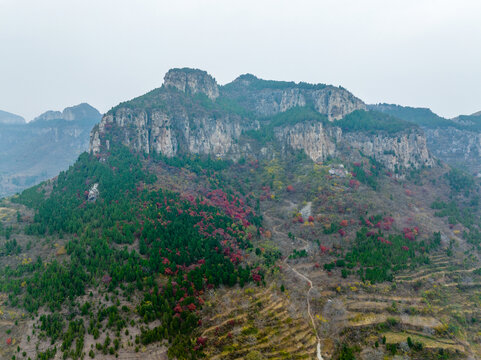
[192, 81]
[172, 133]
[398, 152]
[317, 141]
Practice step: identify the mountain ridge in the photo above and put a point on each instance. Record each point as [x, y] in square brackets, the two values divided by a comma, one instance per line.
[456, 141]
[78, 112]
[190, 113]
[10, 118]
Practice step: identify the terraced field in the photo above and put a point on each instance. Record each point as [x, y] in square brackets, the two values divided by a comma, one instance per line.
[257, 323]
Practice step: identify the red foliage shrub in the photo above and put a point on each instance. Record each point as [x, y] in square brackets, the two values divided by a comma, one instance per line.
[342, 232]
[344, 223]
[354, 183]
[106, 279]
[311, 218]
[9, 341]
[201, 341]
[290, 188]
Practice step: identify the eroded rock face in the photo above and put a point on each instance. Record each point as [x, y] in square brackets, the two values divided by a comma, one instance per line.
[336, 103]
[317, 141]
[192, 81]
[405, 150]
[170, 134]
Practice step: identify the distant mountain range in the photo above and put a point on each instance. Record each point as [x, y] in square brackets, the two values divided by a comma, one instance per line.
[38, 150]
[35, 151]
[9, 118]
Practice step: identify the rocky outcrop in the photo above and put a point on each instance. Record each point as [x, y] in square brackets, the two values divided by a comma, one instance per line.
[317, 141]
[397, 152]
[192, 81]
[173, 132]
[93, 193]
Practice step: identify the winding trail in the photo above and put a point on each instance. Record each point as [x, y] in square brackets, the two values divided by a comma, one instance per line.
[304, 277]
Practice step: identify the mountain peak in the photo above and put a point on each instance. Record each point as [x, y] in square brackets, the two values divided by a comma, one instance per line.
[78, 112]
[10, 119]
[192, 81]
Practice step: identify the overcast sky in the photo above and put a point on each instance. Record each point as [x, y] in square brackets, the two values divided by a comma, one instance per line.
[56, 53]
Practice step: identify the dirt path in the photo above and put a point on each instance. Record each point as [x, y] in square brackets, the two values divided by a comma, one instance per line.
[304, 277]
[319, 356]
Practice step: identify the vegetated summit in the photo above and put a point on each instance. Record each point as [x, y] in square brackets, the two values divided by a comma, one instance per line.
[259, 219]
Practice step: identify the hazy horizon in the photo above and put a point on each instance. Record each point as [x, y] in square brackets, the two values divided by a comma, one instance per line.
[415, 53]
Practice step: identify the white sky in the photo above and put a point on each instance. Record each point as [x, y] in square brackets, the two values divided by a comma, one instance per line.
[57, 53]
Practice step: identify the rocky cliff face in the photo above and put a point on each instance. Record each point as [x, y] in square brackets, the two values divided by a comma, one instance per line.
[168, 133]
[268, 98]
[399, 152]
[317, 141]
[192, 81]
[173, 120]
[405, 150]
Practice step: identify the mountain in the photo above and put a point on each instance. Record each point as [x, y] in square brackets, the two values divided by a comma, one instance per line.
[9, 118]
[38, 150]
[455, 141]
[81, 112]
[192, 114]
[255, 220]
